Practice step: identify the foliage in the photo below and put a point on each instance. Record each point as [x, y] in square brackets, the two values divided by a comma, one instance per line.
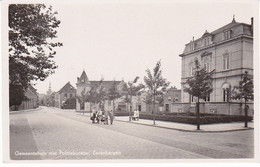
[101, 95]
[245, 89]
[156, 84]
[200, 84]
[193, 120]
[132, 90]
[70, 103]
[32, 27]
[113, 93]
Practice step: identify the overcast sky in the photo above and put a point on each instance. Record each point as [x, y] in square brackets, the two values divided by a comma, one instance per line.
[122, 40]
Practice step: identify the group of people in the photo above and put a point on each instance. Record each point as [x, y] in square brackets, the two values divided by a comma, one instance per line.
[102, 117]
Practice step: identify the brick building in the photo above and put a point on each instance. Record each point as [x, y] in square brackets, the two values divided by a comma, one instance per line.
[32, 102]
[170, 98]
[66, 92]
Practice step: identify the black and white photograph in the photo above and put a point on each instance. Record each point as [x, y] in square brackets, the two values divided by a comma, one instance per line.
[122, 80]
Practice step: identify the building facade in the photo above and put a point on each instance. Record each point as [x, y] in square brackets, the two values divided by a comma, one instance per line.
[32, 99]
[171, 99]
[120, 105]
[84, 85]
[66, 92]
[228, 53]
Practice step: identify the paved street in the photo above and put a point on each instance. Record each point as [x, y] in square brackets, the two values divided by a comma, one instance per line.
[50, 133]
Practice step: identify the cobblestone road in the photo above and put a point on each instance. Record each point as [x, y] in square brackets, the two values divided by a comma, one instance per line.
[55, 134]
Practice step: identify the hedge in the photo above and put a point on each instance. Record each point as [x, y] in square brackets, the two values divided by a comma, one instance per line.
[191, 119]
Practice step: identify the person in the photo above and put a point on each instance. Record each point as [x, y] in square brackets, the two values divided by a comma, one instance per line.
[99, 116]
[93, 116]
[137, 115]
[134, 115]
[106, 117]
[111, 117]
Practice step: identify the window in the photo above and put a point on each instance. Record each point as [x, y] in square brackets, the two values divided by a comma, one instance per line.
[176, 99]
[65, 95]
[109, 102]
[225, 62]
[206, 66]
[226, 92]
[169, 98]
[206, 41]
[191, 98]
[191, 69]
[227, 34]
[192, 46]
[226, 95]
[207, 98]
[70, 95]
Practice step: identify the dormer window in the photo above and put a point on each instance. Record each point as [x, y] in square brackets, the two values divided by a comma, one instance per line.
[206, 41]
[227, 34]
[192, 46]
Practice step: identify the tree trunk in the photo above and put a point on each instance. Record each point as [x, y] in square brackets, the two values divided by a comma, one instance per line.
[113, 108]
[130, 110]
[246, 114]
[198, 114]
[154, 108]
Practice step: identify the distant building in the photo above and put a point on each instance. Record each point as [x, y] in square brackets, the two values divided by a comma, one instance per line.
[84, 84]
[32, 102]
[66, 92]
[170, 98]
[228, 52]
[49, 92]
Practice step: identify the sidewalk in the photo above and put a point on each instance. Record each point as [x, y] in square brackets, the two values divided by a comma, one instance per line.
[221, 127]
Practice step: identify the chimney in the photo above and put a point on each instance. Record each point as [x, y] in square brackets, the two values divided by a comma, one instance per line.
[252, 25]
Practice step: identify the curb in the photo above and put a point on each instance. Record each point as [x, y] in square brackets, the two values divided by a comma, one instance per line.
[183, 130]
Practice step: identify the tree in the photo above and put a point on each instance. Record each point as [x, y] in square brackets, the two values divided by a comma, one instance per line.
[132, 90]
[148, 99]
[113, 94]
[245, 90]
[156, 84]
[32, 27]
[70, 103]
[101, 95]
[82, 98]
[200, 87]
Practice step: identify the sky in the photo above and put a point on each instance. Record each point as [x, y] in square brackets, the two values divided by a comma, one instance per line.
[119, 40]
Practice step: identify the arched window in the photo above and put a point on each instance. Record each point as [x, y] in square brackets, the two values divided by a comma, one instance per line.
[226, 92]
[206, 63]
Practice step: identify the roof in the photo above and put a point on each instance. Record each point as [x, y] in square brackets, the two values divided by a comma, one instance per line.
[106, 84]
[84, 76]
[32, 88]
[228, 26]
[216, 36]
[66, 87]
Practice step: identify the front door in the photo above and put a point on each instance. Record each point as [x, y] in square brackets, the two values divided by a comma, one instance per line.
[167, 107]
[139, 108]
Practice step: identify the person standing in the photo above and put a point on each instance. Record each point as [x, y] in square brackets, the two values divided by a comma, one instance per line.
[111, 117]
[106, 117]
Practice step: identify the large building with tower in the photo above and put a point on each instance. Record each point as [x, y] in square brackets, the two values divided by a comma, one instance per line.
[228, 52]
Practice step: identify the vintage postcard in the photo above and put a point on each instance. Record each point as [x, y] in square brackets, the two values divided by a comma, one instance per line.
[130, 81]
